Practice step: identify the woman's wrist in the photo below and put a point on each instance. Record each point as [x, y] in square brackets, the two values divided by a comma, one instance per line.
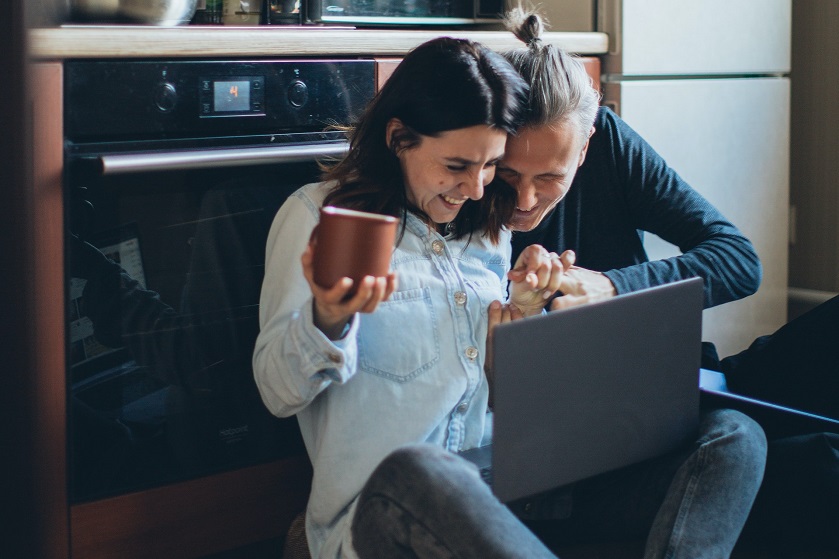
[332, 328]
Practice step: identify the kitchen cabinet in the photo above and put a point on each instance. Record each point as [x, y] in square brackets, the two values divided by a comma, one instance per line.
[729, 92]
[722, 71]
[48, 430]
[189, 519]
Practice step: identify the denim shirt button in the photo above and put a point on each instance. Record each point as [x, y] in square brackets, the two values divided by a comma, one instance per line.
[460, 298]
[334, 357]
[462, 407]
[437, 247]
[471, 353]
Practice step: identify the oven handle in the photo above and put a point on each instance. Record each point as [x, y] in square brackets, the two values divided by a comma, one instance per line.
[212, 158]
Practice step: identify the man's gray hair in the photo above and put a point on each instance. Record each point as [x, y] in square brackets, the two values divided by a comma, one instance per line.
[560, 89]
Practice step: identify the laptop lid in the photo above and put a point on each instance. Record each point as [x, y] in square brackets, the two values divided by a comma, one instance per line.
[593, 388]
[777, 421]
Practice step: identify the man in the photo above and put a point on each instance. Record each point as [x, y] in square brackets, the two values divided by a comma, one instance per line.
[588, 187]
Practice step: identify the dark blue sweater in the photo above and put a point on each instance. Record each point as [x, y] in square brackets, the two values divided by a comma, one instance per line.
[625, 188]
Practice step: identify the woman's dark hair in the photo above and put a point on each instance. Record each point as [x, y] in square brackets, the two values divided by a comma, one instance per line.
[444, 84]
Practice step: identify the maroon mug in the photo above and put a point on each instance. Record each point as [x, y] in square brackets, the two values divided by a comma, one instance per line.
[353, 244]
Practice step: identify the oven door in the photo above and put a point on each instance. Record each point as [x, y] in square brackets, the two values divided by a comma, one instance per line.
[165, 255]
[174, 171]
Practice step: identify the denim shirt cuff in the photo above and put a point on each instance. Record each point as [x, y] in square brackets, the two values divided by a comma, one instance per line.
[333, 358]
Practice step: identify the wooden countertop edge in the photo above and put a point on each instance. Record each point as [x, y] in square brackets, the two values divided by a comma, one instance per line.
[183, 42]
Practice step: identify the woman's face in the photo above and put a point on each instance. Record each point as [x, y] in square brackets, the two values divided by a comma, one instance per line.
[442, 172]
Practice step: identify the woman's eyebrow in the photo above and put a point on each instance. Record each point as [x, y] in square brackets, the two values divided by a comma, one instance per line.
[466, 161]
[461, 160]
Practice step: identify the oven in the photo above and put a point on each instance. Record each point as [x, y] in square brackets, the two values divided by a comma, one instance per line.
[174, 171]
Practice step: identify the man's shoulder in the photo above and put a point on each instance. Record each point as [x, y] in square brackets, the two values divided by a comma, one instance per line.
[608, 119]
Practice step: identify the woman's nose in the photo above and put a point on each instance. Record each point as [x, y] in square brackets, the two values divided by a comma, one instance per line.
[474, 185]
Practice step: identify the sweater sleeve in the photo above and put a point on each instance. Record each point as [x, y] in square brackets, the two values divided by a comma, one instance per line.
[661, 202]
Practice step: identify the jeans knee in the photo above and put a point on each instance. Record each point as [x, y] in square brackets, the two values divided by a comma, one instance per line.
[418, 471]
[741, 437]
[418, 463]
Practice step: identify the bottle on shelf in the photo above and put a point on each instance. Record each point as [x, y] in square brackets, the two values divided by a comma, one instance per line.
[208, 12]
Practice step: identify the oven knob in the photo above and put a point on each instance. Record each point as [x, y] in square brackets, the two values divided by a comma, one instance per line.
[298, 94]
[165, 97]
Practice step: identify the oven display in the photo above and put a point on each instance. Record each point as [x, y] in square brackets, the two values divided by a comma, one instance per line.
[232, 96]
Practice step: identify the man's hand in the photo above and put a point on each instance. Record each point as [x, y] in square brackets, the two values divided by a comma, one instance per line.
[580, 286]
[536, 276]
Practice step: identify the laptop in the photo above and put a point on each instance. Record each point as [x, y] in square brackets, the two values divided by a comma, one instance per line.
[777, 421]
[593, 388]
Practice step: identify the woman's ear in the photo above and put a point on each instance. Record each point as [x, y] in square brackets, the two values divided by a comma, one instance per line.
[393, 126]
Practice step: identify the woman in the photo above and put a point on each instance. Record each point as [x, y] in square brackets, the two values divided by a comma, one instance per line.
[365, 384]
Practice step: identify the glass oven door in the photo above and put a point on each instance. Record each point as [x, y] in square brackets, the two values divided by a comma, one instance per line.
[165, 252]
[163, 278]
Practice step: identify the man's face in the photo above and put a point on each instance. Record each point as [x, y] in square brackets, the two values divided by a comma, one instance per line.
[540, 163]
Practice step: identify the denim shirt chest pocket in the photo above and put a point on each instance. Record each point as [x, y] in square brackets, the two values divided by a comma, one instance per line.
[411, 313]
[484, 294]
[487, 281]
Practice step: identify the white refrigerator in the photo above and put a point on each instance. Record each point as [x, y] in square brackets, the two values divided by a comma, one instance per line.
[706, 83]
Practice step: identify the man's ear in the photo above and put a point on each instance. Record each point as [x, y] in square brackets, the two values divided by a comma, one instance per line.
[585, 147]
[393, 126]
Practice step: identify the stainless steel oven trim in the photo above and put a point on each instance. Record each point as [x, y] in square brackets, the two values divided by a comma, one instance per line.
[115, 164]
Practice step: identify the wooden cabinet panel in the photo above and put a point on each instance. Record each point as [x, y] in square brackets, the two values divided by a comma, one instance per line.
[49, 424]
[592, 66]
[384, 69]
[195, 518]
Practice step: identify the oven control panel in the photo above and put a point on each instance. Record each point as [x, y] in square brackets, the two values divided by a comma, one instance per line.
[107, 100]
[234, 95]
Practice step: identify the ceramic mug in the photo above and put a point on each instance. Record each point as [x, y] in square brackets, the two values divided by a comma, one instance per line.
[353, 244]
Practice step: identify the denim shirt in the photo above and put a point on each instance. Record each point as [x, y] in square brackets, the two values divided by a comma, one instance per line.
[412, 371]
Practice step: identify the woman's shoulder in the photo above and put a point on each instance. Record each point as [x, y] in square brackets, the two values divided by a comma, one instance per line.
[313, 194]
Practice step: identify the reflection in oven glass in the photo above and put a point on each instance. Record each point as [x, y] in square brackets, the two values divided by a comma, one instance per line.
[163, 314]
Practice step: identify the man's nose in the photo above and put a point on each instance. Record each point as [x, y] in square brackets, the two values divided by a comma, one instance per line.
[526, 198]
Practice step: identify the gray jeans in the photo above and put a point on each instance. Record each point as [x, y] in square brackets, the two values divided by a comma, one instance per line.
[424, 502]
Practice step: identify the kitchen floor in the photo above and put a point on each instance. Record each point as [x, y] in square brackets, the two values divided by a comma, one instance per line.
[272, 549]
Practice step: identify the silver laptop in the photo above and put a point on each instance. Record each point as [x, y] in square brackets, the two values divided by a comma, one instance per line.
[593, 388]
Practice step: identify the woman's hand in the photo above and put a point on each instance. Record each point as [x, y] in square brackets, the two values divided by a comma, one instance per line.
[537, 275]
[498, 313]
[334, 307]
